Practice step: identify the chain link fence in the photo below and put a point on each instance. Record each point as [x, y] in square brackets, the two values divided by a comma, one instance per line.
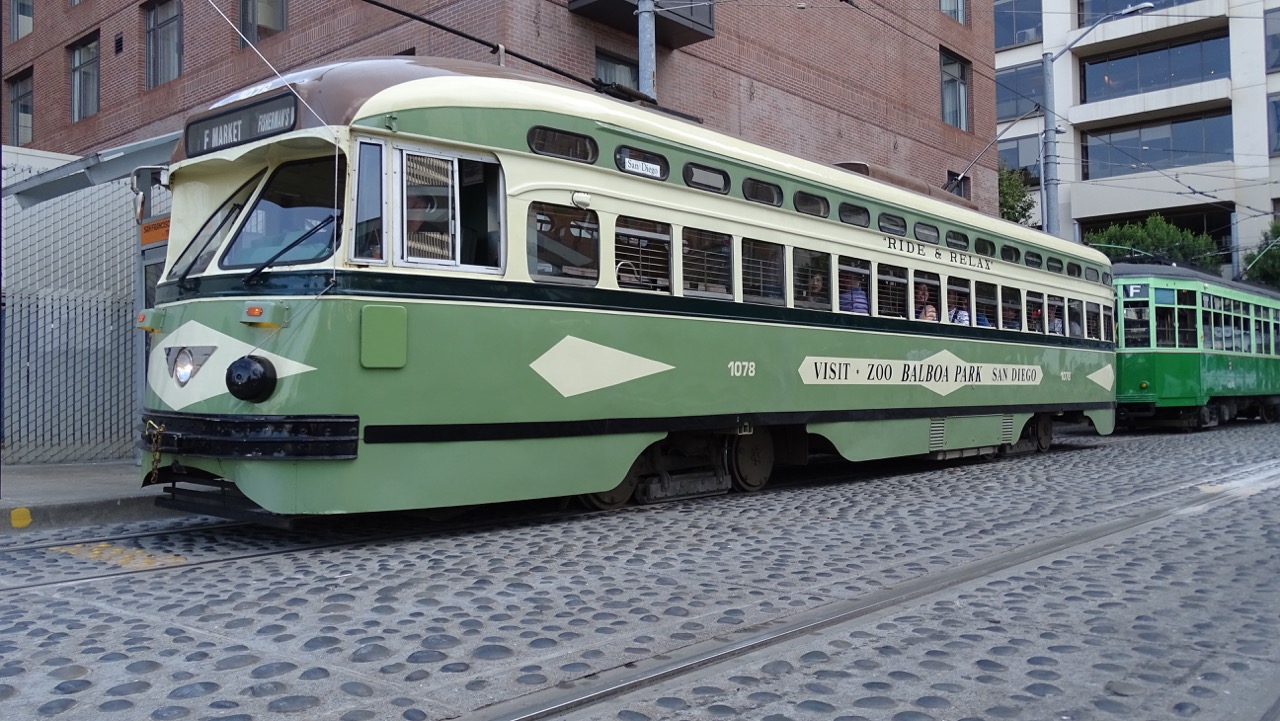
[71, 353]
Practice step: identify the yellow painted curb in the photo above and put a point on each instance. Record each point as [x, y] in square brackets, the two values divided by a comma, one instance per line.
[20, 517]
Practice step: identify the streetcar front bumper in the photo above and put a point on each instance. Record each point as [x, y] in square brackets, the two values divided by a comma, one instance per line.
[268, 438]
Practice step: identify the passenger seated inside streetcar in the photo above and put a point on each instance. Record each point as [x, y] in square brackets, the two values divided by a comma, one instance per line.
[957, 311]
[853, 298]
[925, 309]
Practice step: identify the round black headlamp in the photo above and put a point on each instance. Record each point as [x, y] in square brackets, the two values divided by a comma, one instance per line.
[251, 378]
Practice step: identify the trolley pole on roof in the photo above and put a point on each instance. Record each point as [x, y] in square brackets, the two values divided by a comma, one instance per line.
[648, 71]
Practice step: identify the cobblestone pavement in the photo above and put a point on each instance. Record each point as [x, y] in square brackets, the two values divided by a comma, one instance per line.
[1176, 617]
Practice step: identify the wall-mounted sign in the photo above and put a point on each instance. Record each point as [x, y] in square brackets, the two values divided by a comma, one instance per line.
[242, 125]
[155, 231]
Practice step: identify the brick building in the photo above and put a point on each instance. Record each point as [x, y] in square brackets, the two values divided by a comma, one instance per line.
[906, 89]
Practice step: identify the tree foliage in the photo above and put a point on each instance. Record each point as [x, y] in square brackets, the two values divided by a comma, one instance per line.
[1263, 263]
[1016, 201]
[1156, 237]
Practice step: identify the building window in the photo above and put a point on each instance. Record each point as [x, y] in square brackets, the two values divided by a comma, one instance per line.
[164, 42]
[955, 91]
[1273, 39]
[21, 18]
[1130, 73]
[956, 185]
[1273, 124]
[260, 19]
[954, 9]
[84, 79]
[1018, 22]
[1091, 10]
[21, 111]
[1167, 144]
[1022, 155]
[614, 70]
[1019, 90]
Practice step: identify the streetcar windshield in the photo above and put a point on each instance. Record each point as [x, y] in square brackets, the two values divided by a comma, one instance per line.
[292, 220]
[196, 256]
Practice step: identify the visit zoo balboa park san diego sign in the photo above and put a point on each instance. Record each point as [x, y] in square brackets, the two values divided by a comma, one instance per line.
[942, 373]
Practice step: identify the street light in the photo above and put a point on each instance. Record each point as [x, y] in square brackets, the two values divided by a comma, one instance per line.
[1050, 142]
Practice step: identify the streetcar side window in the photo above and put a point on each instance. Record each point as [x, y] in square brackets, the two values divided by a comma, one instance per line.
[368, 243]
[959, 302]
[1093, 320]
[642, 254]
[891, 223]
[563, 144]
[1010, 308]
[1137, 324]
[926, 232]
[1261, 334]
[987, 305]
[1054, 322]
[957, 240]
[811, 278]
[926, 294]
[1010, 253]
[1187, 330]
[985, 247]
[855, 275]
[762, 267]
[708, 263]
[428, 212]
[706, 178]
[480, 213]
[1075, 318]
[1108, 324]
[641, 162]
[1035, 312]
[811, 204]
[1166, 328]
[1033, 260]
[761, 192]
[563, 244]
[855, 215]
[891, 291]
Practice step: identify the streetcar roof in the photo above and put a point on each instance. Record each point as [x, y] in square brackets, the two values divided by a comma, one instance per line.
[1178, 272]
[345, 91]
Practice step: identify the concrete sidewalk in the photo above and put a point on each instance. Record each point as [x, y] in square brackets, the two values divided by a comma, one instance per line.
[45, 496]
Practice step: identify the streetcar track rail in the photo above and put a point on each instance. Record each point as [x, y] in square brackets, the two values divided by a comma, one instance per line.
[644, 675]
[119, 537]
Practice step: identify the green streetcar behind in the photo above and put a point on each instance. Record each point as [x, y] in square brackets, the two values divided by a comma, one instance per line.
[1196, 350]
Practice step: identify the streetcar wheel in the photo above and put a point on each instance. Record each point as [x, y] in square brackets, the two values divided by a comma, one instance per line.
[1042, 432]
[616, 498]
[750, 460]
[1267, 413]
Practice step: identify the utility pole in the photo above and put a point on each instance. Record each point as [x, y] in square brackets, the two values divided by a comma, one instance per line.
[1049, 179]
[648, 63]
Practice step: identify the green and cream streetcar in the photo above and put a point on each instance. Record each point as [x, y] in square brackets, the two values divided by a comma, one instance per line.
[1196, 349]
[405, 283]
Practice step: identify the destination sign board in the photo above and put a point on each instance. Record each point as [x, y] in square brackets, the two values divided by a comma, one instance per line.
[242, 125]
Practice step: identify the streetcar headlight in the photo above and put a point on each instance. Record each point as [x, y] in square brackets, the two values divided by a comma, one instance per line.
[184, 366]
[251, 378]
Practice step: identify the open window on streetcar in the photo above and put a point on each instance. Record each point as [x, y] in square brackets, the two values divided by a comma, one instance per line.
[1035, 312]
[926, 296]
[811, 278]
[1188, 334]
[1010, 308]
[451, 210]
[855, 285]
[642, 254]
[959, 301]
[1108, 324]
[563, 244]
[891, 291]
[1093, 320]
[297, 216]
[1075, 318]
[762, 272]
[1054, 319]
[986, 304]
[707, 263]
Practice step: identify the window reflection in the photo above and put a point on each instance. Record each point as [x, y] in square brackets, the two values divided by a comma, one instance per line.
[1171, 66]
[1017, 22]
[1018, 90]
[1273, 39]
[1188, 141]
[1023, 155]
